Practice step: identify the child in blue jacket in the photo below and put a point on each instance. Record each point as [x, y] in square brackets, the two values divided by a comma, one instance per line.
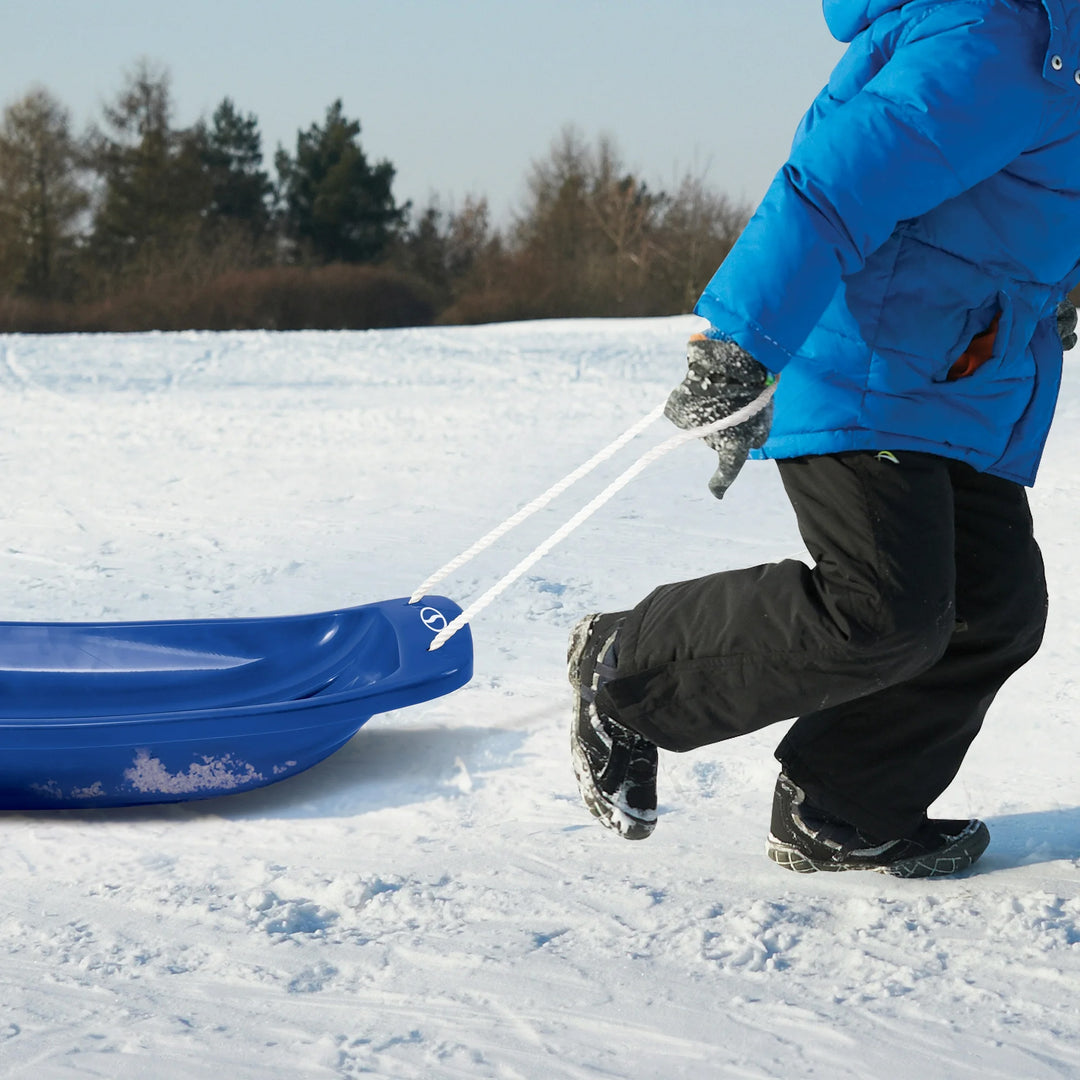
[903, 278]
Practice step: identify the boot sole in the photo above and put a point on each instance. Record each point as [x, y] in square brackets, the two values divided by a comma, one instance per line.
[951, 859]
[609, 815]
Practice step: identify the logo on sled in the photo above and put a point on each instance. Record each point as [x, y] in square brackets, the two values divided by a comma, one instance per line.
[433, 619]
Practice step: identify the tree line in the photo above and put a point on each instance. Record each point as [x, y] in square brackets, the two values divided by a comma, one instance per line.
[138, 223]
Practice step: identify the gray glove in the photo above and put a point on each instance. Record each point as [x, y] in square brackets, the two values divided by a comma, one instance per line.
[722, 378]
[1066, 323]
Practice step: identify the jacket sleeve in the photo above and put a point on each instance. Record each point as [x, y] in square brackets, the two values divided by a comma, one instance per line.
[960, 96]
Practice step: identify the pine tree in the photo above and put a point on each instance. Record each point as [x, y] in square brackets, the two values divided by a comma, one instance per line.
[239, 187]
[337, 206]
[154, 187]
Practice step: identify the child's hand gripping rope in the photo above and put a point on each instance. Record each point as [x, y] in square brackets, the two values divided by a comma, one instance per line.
[722, 379]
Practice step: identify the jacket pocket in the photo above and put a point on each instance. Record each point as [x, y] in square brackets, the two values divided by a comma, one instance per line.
[984, 342]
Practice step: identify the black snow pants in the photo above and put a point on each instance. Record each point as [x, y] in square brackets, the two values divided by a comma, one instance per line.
[927, 592]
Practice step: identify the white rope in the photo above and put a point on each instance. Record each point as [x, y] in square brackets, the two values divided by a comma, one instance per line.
[537, 504]
[678, 439]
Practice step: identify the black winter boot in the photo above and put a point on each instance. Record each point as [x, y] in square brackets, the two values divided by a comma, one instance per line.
[805, 839]
[615, 767]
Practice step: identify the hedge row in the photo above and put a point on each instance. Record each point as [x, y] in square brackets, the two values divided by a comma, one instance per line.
[336, 297]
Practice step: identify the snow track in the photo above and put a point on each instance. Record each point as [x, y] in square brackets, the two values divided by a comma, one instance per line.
[433, 901]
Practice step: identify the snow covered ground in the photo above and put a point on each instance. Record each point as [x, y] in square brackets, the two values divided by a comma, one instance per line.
[433, 901]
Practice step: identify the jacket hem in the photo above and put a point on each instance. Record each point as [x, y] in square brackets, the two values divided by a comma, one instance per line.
[784, 447]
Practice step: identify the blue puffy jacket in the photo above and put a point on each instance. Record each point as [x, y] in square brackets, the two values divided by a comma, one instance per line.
[932, 196]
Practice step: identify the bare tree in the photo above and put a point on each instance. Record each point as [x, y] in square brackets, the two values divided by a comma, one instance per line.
[698, 228]
[587, 230]
[41, 198]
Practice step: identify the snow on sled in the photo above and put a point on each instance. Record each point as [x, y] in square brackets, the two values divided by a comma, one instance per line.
[114, 714]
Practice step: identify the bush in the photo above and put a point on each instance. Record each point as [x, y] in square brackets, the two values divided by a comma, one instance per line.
[336, 297]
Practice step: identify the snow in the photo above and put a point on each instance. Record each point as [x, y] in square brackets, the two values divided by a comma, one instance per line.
[433, 901]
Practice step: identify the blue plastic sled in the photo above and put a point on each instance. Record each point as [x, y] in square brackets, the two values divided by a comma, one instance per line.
[115, 714]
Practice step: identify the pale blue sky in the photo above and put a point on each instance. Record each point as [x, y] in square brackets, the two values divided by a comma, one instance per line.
[461, 95]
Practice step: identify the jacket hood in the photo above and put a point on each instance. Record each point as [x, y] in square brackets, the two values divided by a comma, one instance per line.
[847, 19]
